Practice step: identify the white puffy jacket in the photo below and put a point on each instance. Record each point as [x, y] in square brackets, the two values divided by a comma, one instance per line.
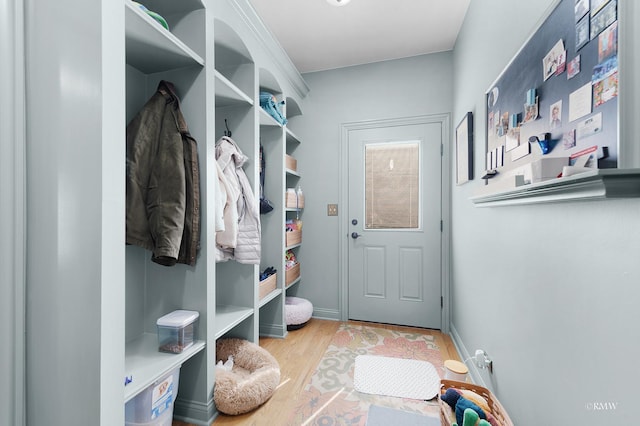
[240, 240]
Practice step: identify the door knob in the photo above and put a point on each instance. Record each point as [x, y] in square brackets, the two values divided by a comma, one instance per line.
[355, 235]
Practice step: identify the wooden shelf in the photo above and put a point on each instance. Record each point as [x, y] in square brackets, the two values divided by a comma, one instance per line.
[145, 364]
[593, 185]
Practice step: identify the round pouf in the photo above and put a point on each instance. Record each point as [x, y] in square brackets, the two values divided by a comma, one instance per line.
[298, 311]
[251, 382]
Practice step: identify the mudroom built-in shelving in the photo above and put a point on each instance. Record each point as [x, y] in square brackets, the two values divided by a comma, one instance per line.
[177, 55]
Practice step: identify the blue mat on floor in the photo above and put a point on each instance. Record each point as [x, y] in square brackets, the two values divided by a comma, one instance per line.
[383, 416]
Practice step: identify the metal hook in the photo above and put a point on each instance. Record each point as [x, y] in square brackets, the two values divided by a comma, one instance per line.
[227, 132]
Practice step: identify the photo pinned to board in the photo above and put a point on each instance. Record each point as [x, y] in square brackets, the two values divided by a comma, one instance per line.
[608, 42]
[596, 5]
[573, 67]
[512, 140]
[604, 69]
[555, 115]
[581, 8]
[582, 32]
[562, 63]
[552, 59]
[569, 139]
[605, 89]
[531, 111]
[607, 16]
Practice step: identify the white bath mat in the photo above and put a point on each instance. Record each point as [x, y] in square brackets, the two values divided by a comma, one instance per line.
[402, 378]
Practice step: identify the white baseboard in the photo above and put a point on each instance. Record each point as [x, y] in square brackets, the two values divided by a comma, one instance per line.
[474, 372]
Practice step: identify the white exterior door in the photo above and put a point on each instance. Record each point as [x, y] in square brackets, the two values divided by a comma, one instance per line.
[394, 214]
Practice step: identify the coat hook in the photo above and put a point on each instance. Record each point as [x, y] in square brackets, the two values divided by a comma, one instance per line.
[227, 132]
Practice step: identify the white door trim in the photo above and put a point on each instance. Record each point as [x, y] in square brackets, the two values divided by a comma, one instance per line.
[12, 212]
[343, 270]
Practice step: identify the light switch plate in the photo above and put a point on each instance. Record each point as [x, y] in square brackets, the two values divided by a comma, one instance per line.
[332, 210]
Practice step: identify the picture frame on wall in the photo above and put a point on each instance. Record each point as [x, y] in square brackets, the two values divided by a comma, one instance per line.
[464, 149]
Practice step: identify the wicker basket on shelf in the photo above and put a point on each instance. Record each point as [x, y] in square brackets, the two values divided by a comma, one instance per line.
[267, 285]
[290, 275]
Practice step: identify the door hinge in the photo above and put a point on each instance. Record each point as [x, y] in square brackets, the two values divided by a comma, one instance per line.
[441, 226]
[441, 302]
[441, 150]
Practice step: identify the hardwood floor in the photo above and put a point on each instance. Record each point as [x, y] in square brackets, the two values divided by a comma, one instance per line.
[298, 355]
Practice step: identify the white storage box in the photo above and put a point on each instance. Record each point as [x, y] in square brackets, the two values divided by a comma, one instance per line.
[154, 405]
[547, 168]
[176, 330]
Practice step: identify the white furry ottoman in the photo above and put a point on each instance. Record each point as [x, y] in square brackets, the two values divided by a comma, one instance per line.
[254, 377]
[297, 312]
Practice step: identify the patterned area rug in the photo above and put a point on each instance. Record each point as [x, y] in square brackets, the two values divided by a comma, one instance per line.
[330, 398]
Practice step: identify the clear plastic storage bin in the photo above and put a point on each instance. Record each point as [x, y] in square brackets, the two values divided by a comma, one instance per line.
[154, 405]
[176, 331]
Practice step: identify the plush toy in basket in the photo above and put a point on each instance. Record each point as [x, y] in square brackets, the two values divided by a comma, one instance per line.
[465, 404]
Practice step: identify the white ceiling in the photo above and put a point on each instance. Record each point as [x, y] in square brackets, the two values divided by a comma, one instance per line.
[318, 36]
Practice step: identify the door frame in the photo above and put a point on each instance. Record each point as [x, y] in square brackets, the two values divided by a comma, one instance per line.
[343, 249]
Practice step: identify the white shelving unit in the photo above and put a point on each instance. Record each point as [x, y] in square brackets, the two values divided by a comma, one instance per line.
[97, 65]
[178, 55]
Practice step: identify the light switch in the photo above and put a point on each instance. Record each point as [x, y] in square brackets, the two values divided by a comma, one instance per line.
[332, 210]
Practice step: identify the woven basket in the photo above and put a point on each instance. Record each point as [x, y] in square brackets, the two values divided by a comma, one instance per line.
[290, 163]
[267, 285]
[292, 274]
[292, 201]
[448, 415]
[293, 238]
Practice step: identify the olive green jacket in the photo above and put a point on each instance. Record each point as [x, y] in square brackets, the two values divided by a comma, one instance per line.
[163, 181]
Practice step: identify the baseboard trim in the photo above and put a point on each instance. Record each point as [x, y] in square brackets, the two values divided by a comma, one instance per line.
[194, 412]
[474, 373]
[273, 330]
[328, 314]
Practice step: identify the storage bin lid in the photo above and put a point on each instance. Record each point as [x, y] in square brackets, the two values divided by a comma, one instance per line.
[179, 318]
[456, 366]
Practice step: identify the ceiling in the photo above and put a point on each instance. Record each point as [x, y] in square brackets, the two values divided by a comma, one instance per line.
[318, 36]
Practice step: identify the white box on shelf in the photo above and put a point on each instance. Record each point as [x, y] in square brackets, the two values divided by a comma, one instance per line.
[176, 330]
[547, 168]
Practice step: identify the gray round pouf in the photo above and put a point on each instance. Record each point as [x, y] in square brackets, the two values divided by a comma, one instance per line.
[298, 312]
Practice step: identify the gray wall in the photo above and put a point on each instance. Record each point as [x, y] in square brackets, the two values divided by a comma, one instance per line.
[408, 87]
[548, 291]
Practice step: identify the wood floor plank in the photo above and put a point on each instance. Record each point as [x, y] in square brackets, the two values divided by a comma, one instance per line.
[298, 355]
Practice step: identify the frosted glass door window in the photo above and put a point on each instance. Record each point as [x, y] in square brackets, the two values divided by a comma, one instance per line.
[392, 185]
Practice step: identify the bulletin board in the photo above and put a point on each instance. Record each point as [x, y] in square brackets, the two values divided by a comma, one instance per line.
[561, 88]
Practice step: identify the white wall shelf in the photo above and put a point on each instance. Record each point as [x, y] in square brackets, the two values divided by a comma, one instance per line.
[144, 363]
[228, 316]
[294, 282]
[269, 297]
[228, 94]
[594, 185]
[150, 47]
[267, 120]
